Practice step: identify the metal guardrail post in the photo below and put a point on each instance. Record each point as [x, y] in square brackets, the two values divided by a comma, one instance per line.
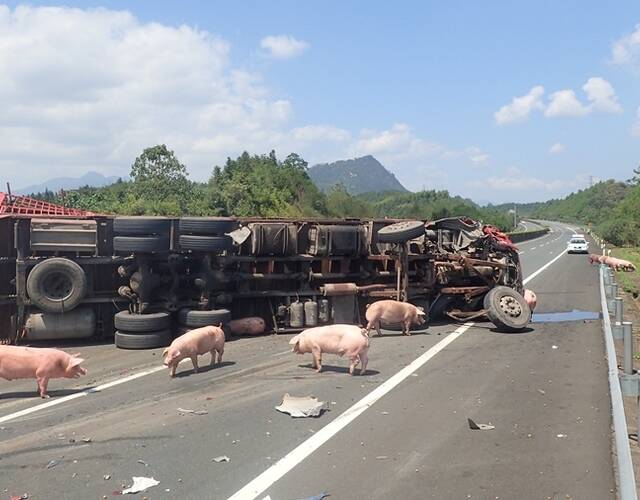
[616, 328]
[627, 332]
[613, 295]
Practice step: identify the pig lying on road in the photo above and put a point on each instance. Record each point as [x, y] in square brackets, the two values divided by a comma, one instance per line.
[193, 343]
[349, 340]
[40, 363]
[393, 311]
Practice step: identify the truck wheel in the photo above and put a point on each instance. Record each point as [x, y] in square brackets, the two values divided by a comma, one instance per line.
[141, 225]
[507, 309]
[149, 340]
[401, 231]
[206, 243]
[195, 319]
[56, 285]
[127, 322]
[142, 244]
[217, 226]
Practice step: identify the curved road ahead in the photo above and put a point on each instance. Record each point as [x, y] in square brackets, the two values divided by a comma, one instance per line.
[400, 431]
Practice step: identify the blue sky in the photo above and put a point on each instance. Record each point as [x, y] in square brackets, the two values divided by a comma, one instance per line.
[426, 87]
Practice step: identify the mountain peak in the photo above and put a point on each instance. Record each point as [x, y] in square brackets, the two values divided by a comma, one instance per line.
[358, 175]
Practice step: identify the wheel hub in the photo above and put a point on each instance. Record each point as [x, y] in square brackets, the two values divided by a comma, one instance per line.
[510, 306]
[57, 286]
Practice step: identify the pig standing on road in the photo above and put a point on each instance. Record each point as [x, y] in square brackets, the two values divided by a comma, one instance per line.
[530, 298]
[40, 363]
[350, 340]
[393, 311]
[193, 343]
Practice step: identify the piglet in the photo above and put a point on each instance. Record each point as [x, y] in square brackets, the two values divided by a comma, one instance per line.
[193, 343]
[40, 363]
[393, 311]
[349, 340]
[530, 298]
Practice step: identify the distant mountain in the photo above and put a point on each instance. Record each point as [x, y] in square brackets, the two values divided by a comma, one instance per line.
[93, 179]
[360, 175]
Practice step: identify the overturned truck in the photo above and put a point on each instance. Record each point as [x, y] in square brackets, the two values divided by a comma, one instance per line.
[142, 279]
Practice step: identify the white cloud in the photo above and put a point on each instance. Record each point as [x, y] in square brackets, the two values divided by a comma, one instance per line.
[520, 107]
[312, 133]
[626, 50]
[602, 96]
[398, 142]
[476, 155]
[557, 148]
[514, 179]
[565, 103]
[635, 128]
[283, 46]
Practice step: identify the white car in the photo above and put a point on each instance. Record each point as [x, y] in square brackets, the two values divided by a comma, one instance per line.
[577, 244]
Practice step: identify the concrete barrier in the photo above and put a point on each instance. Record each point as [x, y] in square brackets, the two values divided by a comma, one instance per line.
[527, 235]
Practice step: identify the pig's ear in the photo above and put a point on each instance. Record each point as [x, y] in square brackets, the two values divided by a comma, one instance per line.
[76, 354]
[165, 352]
[294, 340]
[75, 362]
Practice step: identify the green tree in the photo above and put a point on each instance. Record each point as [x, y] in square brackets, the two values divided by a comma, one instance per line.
[160, 181]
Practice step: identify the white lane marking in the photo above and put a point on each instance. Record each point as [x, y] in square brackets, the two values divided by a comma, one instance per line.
[297, 455]
[288, 351]
[533, 248]
[521, 252]
[534, 274]
[64, 399]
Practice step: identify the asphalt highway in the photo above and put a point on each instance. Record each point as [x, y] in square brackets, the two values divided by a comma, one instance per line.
[399, 431]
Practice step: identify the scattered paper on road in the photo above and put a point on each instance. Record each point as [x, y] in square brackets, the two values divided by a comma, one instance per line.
[480, 427]
[52, 464]
[140, 484]
[221, 458]
[193, 412]
[306, 406]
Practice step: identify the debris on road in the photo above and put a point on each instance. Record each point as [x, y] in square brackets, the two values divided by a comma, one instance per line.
[561, 435]
[24, 496]
[554, 347]
[140, 484]
[306, 406]
[480, 427]
[86, 440]
[106, 477]
[193, 412]
[143, 463]
[542, 391]
[52, 464]
[382, 457]
[221, 458]
[317, 497]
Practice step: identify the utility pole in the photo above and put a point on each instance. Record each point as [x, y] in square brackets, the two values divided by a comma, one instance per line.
[515, 217]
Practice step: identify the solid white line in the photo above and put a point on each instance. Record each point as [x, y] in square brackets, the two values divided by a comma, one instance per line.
[64, 399]
[533, 275]
[293, 458]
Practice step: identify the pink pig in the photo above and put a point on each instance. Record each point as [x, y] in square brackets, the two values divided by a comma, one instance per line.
[193, 343]
[334, 339]
[619, 264]
[393, 311]
[40, 363]
[530, 298]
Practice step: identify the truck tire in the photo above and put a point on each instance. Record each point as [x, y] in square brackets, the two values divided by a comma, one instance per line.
[507, 309]
[149, 340]
[206, 243]
[213, 226]
[401, 231]
[141, 225]
[141, 244]
[56, 285]
[195, 318]
[127, 322]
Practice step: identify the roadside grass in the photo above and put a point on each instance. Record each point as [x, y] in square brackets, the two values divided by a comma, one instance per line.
[630, 282]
